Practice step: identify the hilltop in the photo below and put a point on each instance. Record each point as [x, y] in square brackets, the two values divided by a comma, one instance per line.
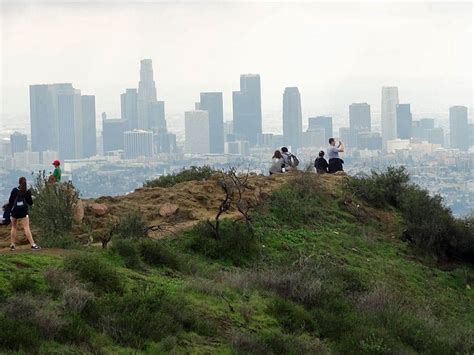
[315, 268]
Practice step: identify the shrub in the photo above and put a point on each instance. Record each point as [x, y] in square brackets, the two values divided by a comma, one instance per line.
[237, 242]
[192, 174]
[128, 250]
[16, 335]
[131, 226]
[24, 282]
[292, 318]
[53, 210]
[62, 241]
[59, 279]
[380, 189]
[157, 253]
[90, 268]
[75, 298]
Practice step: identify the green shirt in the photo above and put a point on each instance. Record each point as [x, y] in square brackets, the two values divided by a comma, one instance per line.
[57, 174]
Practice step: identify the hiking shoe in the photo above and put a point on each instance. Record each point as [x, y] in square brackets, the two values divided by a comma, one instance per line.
[35, 247]
[12, 247]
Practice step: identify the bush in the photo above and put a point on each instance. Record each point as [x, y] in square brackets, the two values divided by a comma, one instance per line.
[90, 268]
[131, 226]
[380, 189]
[61, 241]
[157, 253]
[53, 209]
[16, 335]
[237, 242]
[292, 318]
[193, 174]
[59, 279]
[75, 298]
[24, 282]
[128, 250]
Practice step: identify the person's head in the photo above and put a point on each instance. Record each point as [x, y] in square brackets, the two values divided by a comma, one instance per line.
[284, 150]
[321, 154]
[22, 185]
[332, 141]
[277, 154]
[56, 163]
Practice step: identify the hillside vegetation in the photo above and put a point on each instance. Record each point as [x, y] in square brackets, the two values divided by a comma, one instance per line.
[301, 264]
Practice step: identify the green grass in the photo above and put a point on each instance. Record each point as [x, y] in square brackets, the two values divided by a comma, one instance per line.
[316, 279]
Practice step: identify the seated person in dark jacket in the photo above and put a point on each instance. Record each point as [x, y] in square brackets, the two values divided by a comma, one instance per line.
[335, 163]
[321, 164]
[6, 215]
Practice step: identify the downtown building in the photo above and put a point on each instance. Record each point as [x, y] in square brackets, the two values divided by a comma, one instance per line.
[292, 118]
[458, 128]
[247, 109]
[212, 103]
[404, 121]
[138, 144]
[18, 143]
[359, 122]
[389, 114]
[196, 127]
[322, 122]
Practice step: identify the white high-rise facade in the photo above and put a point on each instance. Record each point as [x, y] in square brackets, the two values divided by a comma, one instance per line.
[146, 93]
[389, 114]
[138, 143]
[196, 125]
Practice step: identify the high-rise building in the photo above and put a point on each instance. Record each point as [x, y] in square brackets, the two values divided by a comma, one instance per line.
[213, 104]
[359, 117]
[128, 105]
[369, 140]
[314, 138]
[292, 118]
[345, 135]
[389, 114]
[112, 133]
[70, 124]
[323, 122]
[435, 136]
[146, 93]
[471, 134]
[89, 137]
[404, 121]
[164, 142]
[156, 115]
[247, 109]
[18, 142]
[138, 143]
[196, 126]
[458, 128]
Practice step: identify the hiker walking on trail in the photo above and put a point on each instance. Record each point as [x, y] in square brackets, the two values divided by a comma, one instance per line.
[20, 199]
[278, 163]
[321, 164]
[335, 163]
[57, 172]
[291, 161]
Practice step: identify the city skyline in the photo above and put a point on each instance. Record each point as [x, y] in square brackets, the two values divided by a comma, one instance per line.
[327, 83]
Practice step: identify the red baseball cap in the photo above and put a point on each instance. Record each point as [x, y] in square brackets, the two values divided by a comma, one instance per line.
[56, 162]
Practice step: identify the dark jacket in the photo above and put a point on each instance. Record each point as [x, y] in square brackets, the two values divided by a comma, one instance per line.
[6, 215]
[321, 165]
[335, 165]
[17, 212]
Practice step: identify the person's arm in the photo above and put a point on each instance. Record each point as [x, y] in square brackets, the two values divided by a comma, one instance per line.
[340, 148]
[11, 200]
[28, 198]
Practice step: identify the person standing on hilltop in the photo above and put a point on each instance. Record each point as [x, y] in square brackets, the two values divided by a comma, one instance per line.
[335, 163]
[321, 164]
[57, 171]
[20, 199]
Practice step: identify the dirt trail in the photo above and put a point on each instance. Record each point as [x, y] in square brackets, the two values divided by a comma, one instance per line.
[192, 201]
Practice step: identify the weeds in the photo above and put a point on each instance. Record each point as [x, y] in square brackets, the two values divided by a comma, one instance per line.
[192, 174]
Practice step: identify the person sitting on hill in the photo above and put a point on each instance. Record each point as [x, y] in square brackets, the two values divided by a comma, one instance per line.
[321, 164]
[6, 215]
[278, 163]
[291, 161]
[56, 176]
[20, 199]
[335, 163]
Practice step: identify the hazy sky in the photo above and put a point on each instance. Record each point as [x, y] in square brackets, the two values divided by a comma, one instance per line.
[336, 53]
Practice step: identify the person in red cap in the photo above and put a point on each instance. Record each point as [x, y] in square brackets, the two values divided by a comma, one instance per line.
[57, 171]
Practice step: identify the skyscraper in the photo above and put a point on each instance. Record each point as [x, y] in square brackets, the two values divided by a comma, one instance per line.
[18, 142]
[292, 118]
[156, 115]
[146, 93]
[112, 133]
[323, 122]
[196, 126]
[458, 128]
[213, 104]
[389, 113]
[128, 105]
[89, 138]
[359, 121]
[247, 109]
[404, 121]
[70, 123]
[138, 143]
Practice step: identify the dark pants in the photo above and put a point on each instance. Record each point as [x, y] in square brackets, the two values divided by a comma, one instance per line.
[335, 165]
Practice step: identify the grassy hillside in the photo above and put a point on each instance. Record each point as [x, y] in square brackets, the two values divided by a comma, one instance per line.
[316, 270]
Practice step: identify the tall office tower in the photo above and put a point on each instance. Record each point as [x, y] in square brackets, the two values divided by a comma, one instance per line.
[389, 114]
[112, 133]
[196, 126]
[458, 128]
[18, 142]
[359, 117]
[70, 124]
[212, 103]
[435, 136]
[323, 122]
[345, 134]
[89, 136]
[404, 121]
[292, 118]
[156, 115]
[128, 105]
[247, 109]
[164, 142]
[471, 134]
[146, 93]
[138, 143]
[421, 128]
[315, 138]
[369, 140]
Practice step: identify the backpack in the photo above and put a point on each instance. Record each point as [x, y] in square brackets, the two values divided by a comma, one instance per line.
[19, 205]
[294, 161]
